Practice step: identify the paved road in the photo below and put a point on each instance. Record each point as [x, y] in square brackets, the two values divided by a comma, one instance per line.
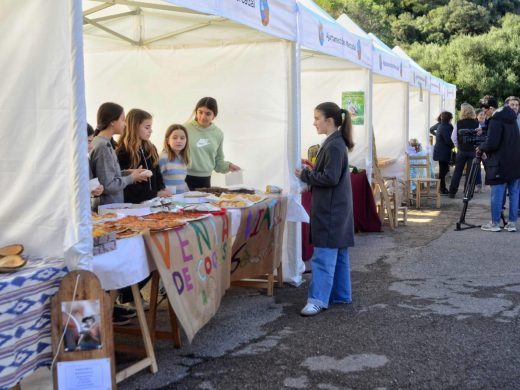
[433, 309]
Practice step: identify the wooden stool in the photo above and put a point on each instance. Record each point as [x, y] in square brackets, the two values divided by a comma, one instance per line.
[404, 211]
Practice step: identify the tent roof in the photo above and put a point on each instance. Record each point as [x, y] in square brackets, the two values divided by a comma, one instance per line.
[180, 23]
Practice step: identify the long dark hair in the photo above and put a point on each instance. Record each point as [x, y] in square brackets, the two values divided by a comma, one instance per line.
[106, 114]
[208, 102]
[341, 119]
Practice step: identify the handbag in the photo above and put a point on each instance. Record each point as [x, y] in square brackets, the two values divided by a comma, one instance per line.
[492, 167]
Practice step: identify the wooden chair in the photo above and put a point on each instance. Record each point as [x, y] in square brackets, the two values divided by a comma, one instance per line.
[418, 172]
[387, 206]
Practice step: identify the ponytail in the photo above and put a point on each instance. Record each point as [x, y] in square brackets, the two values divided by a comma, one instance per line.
[346, 129]
[341, 119]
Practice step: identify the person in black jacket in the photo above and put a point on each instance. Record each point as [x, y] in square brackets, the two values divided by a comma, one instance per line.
[332, 213]
[134, 150]
[442, 148]
[502, 164]
[466, 128]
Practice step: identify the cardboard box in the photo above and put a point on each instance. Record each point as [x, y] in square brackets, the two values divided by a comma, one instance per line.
[103, 244]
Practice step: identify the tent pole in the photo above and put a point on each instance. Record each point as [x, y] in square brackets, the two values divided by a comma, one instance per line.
[77, 243]
[369, 130]
[294, 229]
[406, 114]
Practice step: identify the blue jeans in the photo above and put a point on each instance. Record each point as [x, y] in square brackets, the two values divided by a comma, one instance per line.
[330, 277]
[497, 200]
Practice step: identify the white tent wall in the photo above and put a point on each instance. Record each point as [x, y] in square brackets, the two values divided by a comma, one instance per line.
[323, 86]
[389, 119]
[43, 160]
[436, 103]
[418, 115]
[168, 83]
[450, 95]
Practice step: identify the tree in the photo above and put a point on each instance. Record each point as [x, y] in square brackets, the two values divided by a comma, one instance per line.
[478, 65]
[458, 17]
[371, 17]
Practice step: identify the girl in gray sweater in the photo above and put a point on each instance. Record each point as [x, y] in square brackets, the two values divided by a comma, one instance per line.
[103, 159]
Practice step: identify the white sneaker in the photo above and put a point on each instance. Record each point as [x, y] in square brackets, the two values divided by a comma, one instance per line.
[131, 305]
[510, 227]
[491, 227]
[310, 309]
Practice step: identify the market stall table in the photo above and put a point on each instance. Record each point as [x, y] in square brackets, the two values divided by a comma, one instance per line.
[197, 262]
[25, 318]
[366, 218]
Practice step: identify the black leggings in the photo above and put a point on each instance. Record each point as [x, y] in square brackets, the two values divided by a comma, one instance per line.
[444, 168]
[195, 182]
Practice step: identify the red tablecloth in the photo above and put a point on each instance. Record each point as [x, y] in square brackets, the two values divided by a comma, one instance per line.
[365, 212]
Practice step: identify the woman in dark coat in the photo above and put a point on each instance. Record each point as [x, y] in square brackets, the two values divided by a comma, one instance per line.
[332, 221]
[465, 150]
[442, 148]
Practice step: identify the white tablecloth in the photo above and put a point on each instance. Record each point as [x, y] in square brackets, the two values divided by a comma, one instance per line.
[125, 266]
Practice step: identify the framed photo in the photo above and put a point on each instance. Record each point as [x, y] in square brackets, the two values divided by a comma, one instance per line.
[81, 324]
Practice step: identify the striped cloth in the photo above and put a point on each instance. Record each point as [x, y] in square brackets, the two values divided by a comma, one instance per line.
[174, 173]
[25, 318]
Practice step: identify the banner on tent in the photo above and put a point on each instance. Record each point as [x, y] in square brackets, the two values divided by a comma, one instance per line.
[390, 65]
[329, 37]
[205, 6]
[354, 103]
[193, 263]
[275, 17]
[257, 249]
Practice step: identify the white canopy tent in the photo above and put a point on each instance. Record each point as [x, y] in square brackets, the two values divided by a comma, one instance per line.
[419, 106]
[163, 58]
[152, 55]
[334, 61]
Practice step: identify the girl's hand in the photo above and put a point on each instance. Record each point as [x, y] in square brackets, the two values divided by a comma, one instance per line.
[307, 164]
[233, 167]
[164, 193]
[97, 191]
[298, 172]
[136, 175]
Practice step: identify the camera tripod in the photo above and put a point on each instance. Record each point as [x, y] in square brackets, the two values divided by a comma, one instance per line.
[469, 190]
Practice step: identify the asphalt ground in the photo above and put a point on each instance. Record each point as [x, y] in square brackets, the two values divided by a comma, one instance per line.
[433, 308]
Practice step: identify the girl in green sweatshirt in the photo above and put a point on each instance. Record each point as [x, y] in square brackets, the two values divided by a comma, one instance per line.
[205, 146]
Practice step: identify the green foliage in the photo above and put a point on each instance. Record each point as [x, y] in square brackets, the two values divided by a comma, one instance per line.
[458, 17]
[474, 44]
[478, 65]
[374, 17]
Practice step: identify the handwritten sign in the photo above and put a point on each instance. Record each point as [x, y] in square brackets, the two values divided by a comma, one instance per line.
[257, 249]
[193, 263]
